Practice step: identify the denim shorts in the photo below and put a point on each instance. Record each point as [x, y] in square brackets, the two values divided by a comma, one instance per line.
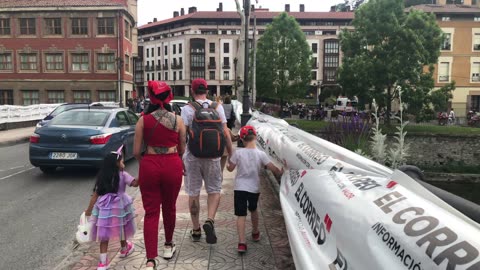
[199, 170]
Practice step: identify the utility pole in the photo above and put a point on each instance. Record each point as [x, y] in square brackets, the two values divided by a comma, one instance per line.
[254, 44]
[246, 100]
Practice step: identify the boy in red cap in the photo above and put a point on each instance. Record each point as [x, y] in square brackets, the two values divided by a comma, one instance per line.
[249, 161]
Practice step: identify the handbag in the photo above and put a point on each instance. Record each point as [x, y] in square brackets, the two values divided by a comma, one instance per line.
[84, 230]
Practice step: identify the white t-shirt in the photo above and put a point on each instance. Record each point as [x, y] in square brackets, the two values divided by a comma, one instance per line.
[249, 161]
[187, 116]
[188, 112]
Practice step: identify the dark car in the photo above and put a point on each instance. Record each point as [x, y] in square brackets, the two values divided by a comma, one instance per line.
[63, 108]
[82, 138]
[175, 104]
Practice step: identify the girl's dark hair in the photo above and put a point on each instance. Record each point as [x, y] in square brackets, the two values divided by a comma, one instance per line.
[163, 96]
[228, 100]
[153, 107]
[109, 176]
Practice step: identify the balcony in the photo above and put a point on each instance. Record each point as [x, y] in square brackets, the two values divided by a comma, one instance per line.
[177, 66]
[443, 78]
[149, 68]
[226, 65]
[165, 67]
[158, 67]
[212, 65]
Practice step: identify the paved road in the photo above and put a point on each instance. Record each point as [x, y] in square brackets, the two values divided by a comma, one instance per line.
[39, 213]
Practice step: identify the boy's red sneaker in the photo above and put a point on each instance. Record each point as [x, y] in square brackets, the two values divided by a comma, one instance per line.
[242, 248]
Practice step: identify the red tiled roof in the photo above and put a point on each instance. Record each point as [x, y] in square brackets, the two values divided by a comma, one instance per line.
[446, 8]
[59, 3]
[260, 15]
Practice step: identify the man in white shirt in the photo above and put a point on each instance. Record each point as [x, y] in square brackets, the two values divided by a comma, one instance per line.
[208, 170]
[451, 117]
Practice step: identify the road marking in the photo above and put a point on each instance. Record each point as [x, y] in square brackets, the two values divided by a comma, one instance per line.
[13, 174]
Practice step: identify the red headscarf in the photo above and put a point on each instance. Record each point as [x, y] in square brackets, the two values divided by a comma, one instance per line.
[156, 88]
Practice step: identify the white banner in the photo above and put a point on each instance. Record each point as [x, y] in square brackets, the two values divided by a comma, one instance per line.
[344, 211]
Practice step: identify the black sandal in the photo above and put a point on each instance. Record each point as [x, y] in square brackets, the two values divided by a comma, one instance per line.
[154, 267]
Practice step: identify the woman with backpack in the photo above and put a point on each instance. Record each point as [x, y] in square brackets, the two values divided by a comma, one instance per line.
[161, 168]
[229, 112]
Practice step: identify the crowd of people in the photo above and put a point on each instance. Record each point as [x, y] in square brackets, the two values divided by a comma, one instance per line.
[196, 146]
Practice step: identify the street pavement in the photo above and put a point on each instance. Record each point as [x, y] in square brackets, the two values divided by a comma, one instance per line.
[39, 215]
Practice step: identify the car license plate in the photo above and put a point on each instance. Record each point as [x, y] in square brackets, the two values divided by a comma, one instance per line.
[60, 155]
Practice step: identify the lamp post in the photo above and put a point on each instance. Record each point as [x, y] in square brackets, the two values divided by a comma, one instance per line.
[319, 91]
[235, 61]
[246, 99]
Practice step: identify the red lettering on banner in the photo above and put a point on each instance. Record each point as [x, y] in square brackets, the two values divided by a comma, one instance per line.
[303, 173]
[328, 222]
[391, 184]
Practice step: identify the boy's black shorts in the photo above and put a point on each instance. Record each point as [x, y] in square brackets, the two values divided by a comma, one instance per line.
[244, 200]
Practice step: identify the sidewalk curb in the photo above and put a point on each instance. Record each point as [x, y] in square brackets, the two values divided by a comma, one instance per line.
[15, 141]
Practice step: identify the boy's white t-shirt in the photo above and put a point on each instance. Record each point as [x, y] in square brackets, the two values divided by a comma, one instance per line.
[249, 161]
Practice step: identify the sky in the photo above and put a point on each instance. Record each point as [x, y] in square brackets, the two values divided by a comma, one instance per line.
[163, 9]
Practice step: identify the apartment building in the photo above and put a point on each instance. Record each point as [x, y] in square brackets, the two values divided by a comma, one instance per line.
[56, 51]
[459, 59]
[205, 44]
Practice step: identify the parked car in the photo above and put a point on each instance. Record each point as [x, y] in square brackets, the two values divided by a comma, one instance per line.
[82, 138]
[176, 104]
[65, 107]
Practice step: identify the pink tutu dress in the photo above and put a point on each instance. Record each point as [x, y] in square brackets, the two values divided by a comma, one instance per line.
[113, 214]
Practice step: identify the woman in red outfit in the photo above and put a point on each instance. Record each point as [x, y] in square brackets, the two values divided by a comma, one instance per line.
[161, 168]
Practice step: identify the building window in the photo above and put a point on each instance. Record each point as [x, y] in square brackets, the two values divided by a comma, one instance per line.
[127, 64]
[80, 62]
[5, 27]
[212, 47]
[226, 62]
[80, 26]
[179, 48]
[148, 53]
[27, 26]
[53, 26]
[166, 50]
[226, 75]
[105, 26]
[80, 96]
[152, 52]
[314, 75]
[476, 42]
[153, 76]
[159, 51]
[180, 75]
[331, 46]
[6, 97]
[56, 96]
[106, 61]
[5, 61]
[315, 47]
[159, 75]
[127, 29]
[444, 72]
[446, 19]
[148, 77]
[226, 47]
[476, 72]
[314, 63]
[212, 75]
[174, 49]
[166, 76]
[30, 97]
[174, 75]
[28, 61]
[198, 61]
[107, 96]
[447, 42]
[331, 60]
[54, 61]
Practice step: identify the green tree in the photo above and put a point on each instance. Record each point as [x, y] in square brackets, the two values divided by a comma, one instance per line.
[439, 98]
[283, 60]
[389, 50]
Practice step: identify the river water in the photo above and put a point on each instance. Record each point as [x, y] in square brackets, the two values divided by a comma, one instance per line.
[469, 191]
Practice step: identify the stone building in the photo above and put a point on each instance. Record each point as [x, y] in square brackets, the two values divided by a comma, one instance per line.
[56, 51]
[204, 44]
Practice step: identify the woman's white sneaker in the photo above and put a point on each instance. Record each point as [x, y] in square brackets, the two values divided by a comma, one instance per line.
[168, 251]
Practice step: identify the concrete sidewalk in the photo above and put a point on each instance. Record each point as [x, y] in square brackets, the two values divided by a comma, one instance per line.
[271, 252]
[14, 136]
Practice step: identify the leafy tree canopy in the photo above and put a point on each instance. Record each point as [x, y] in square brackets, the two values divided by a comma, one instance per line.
[387, 49]
[283, 60]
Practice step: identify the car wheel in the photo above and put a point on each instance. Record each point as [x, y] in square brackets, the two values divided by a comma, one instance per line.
[48, 170]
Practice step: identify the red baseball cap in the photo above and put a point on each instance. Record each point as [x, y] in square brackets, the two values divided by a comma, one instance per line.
[196, 83]
[156, 88]
[247, 130]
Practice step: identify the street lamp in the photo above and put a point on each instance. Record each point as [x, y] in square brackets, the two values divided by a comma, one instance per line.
[319, 91]
[235, 61]
[246, 99]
